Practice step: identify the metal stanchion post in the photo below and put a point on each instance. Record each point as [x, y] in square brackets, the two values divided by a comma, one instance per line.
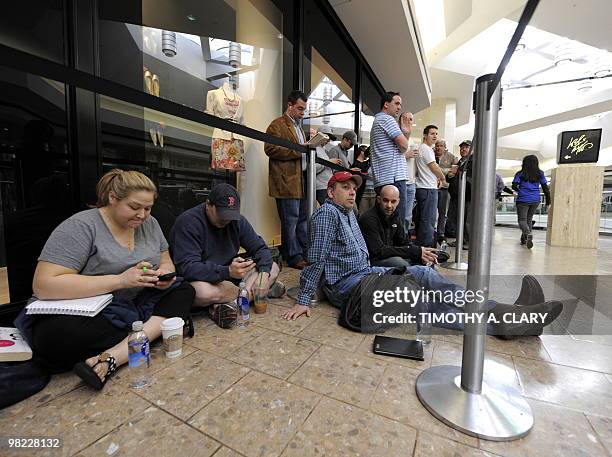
[311, 189]
[458, 264]
[457, 395]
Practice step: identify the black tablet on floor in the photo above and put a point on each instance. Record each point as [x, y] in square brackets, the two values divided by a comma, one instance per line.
[397, 347]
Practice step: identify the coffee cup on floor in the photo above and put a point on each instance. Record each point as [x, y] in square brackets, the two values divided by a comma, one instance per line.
[172, 334]
[260, 295]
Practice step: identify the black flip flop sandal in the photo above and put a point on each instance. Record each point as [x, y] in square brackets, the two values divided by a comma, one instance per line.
[90, 377]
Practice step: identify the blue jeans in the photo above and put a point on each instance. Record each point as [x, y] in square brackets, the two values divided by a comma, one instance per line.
[293, 216]
[427, 201]
[426, 277]
[443, 198]
[410, 196]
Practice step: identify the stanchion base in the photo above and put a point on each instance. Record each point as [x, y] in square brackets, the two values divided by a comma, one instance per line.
[293, 292]
[456, 265]
[498, 413]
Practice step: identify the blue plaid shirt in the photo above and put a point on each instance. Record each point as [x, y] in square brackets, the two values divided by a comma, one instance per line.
[336, 249]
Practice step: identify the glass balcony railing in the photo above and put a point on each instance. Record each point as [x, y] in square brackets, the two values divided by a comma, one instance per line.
[506, 213]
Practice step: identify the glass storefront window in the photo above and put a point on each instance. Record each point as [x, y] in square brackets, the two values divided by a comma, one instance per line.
[329, 78]
[35, 175]
[222, 57]
[330, 106]
[370, 101]
[176, 154]
[35, 27]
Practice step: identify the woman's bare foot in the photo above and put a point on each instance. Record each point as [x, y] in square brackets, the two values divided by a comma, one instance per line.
[100, 369]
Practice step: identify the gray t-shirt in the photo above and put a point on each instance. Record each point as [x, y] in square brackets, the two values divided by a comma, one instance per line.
[84, 243]
[338, 153]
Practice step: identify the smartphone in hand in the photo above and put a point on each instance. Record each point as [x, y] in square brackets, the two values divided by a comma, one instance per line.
[167, 276]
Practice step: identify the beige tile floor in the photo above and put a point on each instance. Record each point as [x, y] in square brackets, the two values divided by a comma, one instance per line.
[311, 388]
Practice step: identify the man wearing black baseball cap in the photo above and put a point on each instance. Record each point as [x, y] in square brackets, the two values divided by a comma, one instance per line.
[340, 151]
[205, 241]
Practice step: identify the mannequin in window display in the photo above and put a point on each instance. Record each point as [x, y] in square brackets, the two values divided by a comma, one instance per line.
[225, 103]
[227, 150]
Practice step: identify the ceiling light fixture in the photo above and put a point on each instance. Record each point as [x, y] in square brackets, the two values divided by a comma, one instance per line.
[585, 86]
[168, 43]
[565, 54]
[191, 17]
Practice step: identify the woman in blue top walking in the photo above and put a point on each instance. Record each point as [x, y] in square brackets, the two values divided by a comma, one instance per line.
[527, 183]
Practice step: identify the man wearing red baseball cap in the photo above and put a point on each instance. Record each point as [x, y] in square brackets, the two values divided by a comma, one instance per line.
[338, 261]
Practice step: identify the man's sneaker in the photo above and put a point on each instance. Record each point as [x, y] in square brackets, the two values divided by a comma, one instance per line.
[277, 290]
[531, 292]
[529, 241]
[523, 239]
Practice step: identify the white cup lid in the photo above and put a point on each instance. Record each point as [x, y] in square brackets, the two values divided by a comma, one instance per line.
[172, 323]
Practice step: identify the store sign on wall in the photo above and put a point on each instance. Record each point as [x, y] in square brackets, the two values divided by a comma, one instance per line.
[579, 146]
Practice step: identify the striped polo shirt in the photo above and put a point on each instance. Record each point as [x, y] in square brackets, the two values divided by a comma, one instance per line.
[388, 163]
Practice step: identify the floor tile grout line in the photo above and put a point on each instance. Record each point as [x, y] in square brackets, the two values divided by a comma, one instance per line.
[298, 428]
[601, 440]
[410, 425]
[217, 396]
[316, 351]
[416, 440]
[157, 407]
[558, 364]
[115, 428]
[218, 451]
[581, 411]
[180, 419]
[289, 375]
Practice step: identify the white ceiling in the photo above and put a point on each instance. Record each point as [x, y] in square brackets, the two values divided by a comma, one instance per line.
[530, 119]
[385, 34]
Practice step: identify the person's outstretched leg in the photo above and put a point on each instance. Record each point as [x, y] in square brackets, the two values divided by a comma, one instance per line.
[510, 317]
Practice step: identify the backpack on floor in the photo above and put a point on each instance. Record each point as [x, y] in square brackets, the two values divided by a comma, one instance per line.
[356, 313]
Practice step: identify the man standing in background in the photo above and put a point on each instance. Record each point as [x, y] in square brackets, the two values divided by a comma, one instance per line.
[285, 180]
[446, 161]
[389, 145]
[429, 178]
[340, 151]
[406, 119]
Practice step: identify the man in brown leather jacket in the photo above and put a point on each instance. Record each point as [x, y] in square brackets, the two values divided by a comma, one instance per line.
[285, 180]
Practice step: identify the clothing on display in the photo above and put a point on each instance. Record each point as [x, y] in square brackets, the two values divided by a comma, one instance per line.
[227, 151]
[225, 103]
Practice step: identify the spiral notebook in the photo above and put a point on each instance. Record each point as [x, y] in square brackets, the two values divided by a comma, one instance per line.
[89, 306]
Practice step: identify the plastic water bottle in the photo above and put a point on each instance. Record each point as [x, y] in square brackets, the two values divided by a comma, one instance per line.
[444, 246]
[243, 306]
[424, 324]
[139, 357]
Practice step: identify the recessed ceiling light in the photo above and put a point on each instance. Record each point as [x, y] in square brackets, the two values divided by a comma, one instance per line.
[562, 61]
[191, 17]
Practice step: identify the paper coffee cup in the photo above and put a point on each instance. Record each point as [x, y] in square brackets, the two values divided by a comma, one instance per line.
[172, 334]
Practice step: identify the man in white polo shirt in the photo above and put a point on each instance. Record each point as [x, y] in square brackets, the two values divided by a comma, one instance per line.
[389, 145]
[429, 178]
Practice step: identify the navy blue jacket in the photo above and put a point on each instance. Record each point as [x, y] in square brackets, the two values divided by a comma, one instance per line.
[203, 252]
